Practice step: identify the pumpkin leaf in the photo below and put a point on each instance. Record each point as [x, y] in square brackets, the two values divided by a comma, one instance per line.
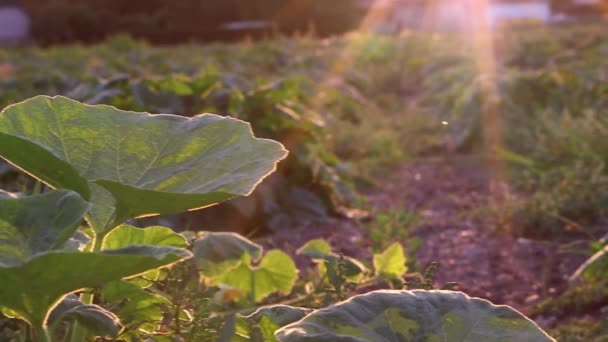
[134, 305]
[96, 319]
[391, 316]
[36, 224]
[127, 235]
[276, 272]
[328, 262]
[33, 288]
[217, 253]
[316, 248]
[391, 262]
[149, 164]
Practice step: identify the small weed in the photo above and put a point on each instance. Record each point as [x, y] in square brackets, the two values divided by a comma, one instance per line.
[425, 280]
[396, 225]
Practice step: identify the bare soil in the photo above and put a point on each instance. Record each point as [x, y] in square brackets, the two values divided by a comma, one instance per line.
[449, 193]
[453, 194]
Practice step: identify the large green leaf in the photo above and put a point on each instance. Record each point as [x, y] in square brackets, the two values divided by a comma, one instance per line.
[433, 316]
[33, 288]
[36, 224]
[150, 164]
[217, 253]
[276, 273]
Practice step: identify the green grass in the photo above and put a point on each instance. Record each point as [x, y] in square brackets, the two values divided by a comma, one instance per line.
[582, 330]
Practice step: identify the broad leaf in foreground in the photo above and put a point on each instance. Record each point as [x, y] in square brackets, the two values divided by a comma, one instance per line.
[150, 164]
[36, 224]
[434, 316]
[32, 289]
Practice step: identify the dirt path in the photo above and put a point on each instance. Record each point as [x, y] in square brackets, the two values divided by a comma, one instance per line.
[471, 250]
[446, 191]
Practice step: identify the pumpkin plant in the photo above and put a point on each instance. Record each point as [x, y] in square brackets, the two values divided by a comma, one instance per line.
[108, 166]
[111, 165]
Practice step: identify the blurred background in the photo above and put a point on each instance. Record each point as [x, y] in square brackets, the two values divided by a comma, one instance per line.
[473, 132]
[168, 22]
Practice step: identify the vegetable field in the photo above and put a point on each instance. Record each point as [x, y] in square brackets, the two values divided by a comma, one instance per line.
[412, 187]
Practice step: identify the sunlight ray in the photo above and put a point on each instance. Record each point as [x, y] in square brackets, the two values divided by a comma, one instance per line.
[484, 53]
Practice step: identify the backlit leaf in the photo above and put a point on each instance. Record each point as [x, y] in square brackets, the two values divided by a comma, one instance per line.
[150, 164]
[216, 253]
[36, 286]
[36, 224]
[392, 316]
[391, 262]
[96, 319]
[276, 273]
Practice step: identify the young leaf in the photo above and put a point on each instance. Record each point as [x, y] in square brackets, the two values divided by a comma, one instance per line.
[276, 273]
[127, 235]
[150, 164]
[391, 262]
[36, 224]
[320, 250]
[391, 315]
[352, 267]
[315, 248]
[217, 253]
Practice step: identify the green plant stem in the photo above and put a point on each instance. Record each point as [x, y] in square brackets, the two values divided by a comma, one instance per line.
[178, 328]
[252, 280]
[98, 243]
[40, 333]
[78, 331]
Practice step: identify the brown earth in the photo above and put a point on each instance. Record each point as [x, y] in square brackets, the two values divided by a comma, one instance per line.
[449, 192]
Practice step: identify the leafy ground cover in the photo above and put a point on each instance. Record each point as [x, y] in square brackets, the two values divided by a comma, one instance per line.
[403, 120]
